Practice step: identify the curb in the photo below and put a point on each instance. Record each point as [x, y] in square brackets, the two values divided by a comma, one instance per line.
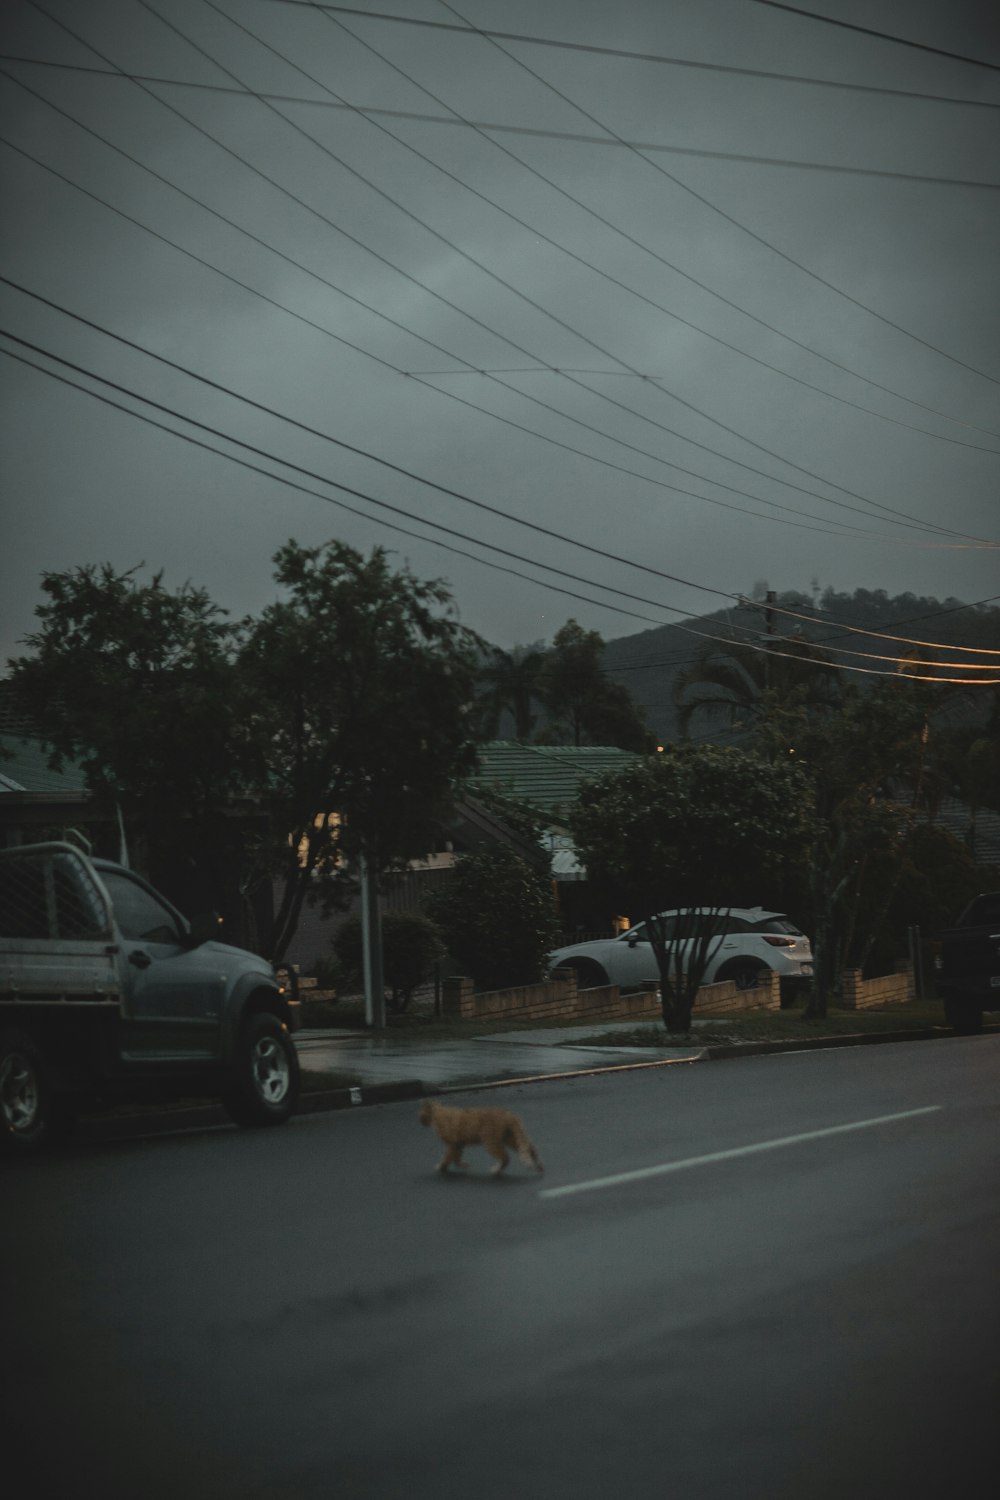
[213, 1116]
[134, 1126]
[723, 1053]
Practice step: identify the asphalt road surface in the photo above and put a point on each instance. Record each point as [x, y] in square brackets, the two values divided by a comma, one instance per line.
[311, 1312]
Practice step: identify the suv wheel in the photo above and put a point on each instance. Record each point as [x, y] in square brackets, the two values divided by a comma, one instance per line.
[31, 1114]
[264, 1084]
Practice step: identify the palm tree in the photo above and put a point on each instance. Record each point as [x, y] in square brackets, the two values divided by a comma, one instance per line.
[733, 682]
[513, 681]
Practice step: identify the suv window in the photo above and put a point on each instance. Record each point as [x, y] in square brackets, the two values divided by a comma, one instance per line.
[775, 924]
[636, 934]
[140, 915]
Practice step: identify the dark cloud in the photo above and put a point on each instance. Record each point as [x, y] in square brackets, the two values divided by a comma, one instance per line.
[381, 299]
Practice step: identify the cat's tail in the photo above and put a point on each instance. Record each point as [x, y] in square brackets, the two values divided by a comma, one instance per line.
[525, 1149]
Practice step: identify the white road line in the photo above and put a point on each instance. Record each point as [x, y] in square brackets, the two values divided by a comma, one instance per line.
[641, 1173]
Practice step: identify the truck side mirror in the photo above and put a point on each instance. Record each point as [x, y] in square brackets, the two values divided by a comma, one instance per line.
[204, 929]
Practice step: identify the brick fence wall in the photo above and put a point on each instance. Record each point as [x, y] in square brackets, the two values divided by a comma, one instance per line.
[558, 998]
[889, 989]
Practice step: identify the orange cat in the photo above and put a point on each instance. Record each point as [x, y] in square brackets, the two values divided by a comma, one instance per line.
[493, 1128]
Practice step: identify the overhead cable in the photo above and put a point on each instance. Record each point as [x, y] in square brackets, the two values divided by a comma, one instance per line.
[534, 132]
[884, 36]
[479, 128]
[608, 223]
[530, 301]
[794, 515]
[634, 56]
[399, 510]
[890, 512]
[860, 630]
[730, 218]
[593, 213]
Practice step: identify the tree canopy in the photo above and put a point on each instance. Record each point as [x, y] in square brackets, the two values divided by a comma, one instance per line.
[584, 705]
[342, 714]
[362, 683]
[694, 826]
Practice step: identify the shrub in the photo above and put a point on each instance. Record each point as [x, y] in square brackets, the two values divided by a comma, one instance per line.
[498, 917]
[411, 946]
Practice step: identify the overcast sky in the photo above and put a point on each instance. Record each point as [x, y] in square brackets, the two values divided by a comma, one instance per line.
[695, 309]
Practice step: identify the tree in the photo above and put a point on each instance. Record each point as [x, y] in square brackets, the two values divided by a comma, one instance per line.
[857, 761]
[362, 684]
[513, 682]
[701, 826]
[583, 702]
[498, 917]
[139, 684]
[736, 683]
[341, 717]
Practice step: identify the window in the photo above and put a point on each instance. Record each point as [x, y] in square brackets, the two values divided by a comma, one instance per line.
[79, 909]
[775, 924]
[139, 913]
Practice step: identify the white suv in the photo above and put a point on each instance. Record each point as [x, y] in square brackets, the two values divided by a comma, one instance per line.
[746, 942]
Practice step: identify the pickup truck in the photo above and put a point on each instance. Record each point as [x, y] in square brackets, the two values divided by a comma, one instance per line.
[968, 964]
[108, 994]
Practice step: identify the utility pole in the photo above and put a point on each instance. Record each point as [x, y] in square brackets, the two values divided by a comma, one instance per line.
[371, 944]
[769, 632]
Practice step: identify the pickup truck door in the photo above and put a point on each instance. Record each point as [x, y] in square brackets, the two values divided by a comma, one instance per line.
[173, 993]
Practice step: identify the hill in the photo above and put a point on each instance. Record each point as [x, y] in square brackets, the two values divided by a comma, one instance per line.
[647, 663]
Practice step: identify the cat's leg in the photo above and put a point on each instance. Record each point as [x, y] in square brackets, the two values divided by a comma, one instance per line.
[451, 1157]
[501, 1156]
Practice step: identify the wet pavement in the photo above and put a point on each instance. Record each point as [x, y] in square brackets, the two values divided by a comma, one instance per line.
[502, 1057]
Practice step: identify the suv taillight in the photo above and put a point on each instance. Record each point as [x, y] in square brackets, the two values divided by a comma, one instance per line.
[778, 942]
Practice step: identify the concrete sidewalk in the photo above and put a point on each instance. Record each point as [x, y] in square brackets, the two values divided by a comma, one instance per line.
[501, 1058]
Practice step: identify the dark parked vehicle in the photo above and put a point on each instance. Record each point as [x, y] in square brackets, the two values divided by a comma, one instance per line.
[107, 993]
[968, 977]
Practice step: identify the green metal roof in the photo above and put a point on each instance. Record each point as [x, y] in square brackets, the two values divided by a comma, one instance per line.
[24, 767]
[548, 776]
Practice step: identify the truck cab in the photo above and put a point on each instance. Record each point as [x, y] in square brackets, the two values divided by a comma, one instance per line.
[107, 992]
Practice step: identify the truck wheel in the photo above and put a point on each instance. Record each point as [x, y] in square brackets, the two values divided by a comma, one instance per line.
[964, 1016]
[264, 1084]
[31, 1114]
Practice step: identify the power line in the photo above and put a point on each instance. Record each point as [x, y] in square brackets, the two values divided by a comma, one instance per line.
[905, 520]
[534, 132]
[453, 118]
[328, 499]
[531, 302]
[462, 401]
[533, 229]
[884, 36]
[482, 505]
[872, 633]
[882, 635]
[649, 57]
[398, 510]
[608, 223]
[729, 218]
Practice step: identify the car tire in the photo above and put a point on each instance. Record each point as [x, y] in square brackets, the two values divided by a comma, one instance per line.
[264, 1085]
[963, 1016]
[32, 1114]
[744, 972]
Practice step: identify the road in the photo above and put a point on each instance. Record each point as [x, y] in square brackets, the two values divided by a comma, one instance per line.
[311, 1312]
